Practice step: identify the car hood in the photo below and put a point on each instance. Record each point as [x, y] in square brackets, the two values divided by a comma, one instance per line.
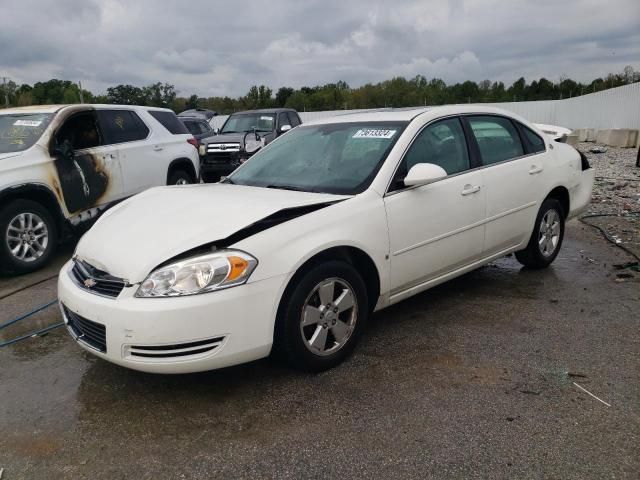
[139, 234]
[227, 138]
[9, 155]
[233, 137]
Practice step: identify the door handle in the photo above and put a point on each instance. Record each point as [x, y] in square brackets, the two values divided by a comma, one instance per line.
[470, 189]
[157, 148]
[535, 169]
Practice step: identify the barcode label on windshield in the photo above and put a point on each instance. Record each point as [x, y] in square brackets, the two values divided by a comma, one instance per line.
[27, 123]
[372, 133]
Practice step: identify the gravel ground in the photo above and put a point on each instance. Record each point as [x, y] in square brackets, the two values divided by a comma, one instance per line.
[615, 206]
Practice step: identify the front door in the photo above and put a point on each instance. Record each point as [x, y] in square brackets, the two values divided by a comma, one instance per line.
[88, 171]
[437, 228]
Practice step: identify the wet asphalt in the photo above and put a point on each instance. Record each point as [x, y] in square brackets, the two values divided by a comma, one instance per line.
[472, 379]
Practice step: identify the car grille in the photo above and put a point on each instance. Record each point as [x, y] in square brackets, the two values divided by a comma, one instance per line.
[96, 281]
[221, 158]
[222, 153]
[85, 331]
[178, 350]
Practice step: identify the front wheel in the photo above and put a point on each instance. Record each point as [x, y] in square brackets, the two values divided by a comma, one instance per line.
[29, 236]
[180, 177]
[547, 236]
[322, 318]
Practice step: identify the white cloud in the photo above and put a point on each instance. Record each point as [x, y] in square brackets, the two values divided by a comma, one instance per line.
[211, 47]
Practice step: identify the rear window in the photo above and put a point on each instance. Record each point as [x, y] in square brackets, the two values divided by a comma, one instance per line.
[170, 121]
[20, 131]
[497, 138]
[534, 141]
[120, 126]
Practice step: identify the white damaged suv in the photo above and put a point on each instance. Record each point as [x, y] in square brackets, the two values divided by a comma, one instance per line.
[334, 220]
[60, 166]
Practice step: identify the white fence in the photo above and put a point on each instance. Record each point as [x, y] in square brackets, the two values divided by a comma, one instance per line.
[614, 108]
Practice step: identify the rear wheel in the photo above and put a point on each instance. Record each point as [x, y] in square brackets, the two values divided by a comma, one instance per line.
[29, 236]
[323, 316]
[180, 177]
[547, 236]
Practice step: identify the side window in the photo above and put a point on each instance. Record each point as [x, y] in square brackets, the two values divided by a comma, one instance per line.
[120, 126]
[205, 127]
[170, 121]
[193, 127]
[497, 138]
[294, 120]
[80, 132]
[442, 143]
[534, 141]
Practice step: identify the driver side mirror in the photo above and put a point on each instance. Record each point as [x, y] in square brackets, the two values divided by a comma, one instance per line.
[424, 174]
[284, 129]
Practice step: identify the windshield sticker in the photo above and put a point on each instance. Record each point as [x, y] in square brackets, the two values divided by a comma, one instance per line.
[266, 118]
[373, 133]
[28, 123]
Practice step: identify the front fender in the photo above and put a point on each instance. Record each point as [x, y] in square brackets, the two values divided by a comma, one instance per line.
[358, 222]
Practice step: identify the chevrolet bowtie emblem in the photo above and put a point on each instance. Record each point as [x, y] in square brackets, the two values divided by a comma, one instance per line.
[89, 283]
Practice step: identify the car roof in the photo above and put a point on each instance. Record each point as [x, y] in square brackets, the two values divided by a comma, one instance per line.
[266, 110]
[57, 108]
[408, 114]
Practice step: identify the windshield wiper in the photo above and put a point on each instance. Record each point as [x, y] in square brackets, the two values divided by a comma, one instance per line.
[293, 188]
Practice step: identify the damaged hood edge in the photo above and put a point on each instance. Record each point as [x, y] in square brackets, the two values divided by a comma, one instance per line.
[162, 223]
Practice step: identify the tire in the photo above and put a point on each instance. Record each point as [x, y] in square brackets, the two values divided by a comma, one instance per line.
[180, 177]
[15, 221]
[329, 336]
[547, 236]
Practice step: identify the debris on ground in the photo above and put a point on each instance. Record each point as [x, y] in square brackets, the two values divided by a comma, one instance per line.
[615, 204]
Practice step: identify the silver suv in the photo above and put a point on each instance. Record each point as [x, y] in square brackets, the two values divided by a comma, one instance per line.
[60, 166]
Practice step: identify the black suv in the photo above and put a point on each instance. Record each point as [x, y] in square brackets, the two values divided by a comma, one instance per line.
[231, 147]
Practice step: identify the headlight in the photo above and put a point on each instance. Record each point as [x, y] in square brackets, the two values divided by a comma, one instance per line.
[202, 150]
[205, 273]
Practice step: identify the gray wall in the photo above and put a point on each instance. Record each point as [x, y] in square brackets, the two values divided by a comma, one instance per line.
[614, 108]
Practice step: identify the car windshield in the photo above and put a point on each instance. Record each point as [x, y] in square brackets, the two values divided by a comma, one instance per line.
[20, 131]
[335, 158]
[246, 122]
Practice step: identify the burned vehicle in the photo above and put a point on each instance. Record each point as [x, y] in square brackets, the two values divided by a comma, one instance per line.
[62, 165]
[242, 135]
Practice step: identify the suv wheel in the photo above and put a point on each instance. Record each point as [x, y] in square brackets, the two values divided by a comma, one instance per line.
[28, 234]
[321, 320]
[546, 239]
[180, 177]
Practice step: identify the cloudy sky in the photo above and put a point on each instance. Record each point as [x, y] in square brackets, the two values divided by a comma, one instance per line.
[215, 47]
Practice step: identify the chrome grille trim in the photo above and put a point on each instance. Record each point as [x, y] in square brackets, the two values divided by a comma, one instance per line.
[95, 281]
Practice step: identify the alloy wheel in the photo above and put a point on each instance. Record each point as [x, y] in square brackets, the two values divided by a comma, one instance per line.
[329, 316]
[27, 237]
[549, 233]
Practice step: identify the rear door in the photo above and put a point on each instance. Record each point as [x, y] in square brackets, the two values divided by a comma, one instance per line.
[126, 133]
[437, 228]
[512, 176]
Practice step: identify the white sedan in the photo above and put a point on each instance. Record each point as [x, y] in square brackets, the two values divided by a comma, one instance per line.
[334, 220]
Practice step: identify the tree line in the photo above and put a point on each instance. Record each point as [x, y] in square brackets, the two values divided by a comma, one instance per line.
[397, 92]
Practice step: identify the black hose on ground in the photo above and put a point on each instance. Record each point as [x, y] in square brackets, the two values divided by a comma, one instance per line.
[606, 234]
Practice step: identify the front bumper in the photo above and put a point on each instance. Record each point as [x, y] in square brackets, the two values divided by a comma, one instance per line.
[167, 335]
